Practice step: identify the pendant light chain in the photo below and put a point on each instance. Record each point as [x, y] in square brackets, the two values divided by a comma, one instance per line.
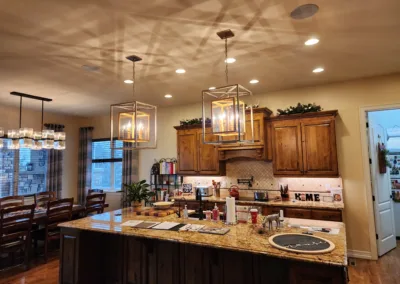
[226, 61]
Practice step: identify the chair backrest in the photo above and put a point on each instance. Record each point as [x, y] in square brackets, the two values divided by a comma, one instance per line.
[42, 198]
[15, 223]
[95, 203]
[94, 191]
[29, 199]
[10, 201]
[59, 211]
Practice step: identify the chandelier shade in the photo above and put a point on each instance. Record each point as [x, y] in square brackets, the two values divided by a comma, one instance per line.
[231, 121]
[134, 123]
[27, 137]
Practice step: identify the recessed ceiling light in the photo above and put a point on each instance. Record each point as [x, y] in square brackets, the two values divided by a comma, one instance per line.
[212, 88]
[180, 71]
[128, 82]
[311, 41]
[230, 60]
[318, 70]
[168, 96]
[254, 81]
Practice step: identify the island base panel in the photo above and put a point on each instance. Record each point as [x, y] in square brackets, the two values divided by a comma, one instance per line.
[93, 257]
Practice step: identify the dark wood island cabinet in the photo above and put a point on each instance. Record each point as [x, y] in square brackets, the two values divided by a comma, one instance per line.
[99, 250]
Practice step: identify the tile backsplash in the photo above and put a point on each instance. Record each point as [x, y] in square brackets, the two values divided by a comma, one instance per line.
[264, 179]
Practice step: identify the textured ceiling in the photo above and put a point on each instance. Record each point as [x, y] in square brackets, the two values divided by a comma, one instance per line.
[44, 44]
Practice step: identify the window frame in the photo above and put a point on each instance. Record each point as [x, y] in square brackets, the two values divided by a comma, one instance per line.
[16, 173]
[110, 160]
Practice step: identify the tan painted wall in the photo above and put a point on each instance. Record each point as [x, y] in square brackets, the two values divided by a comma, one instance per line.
[347, 97]
[9, 119]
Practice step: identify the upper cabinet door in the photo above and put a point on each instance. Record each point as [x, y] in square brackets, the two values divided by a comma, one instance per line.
[208, 163]
[187, 151]
[258, 128]
[319, 146]
[286, 148]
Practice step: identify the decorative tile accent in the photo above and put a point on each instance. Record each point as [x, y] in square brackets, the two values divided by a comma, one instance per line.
[264, 179]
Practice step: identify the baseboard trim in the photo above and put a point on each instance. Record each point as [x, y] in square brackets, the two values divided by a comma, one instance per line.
[359, 254]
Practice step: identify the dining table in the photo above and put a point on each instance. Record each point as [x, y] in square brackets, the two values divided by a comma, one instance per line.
[40, 213]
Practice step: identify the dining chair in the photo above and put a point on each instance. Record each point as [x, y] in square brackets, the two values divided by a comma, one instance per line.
[10, 201]
[15, 231]
[42, 198]
[58, 211]
[94, 191]
[29, 199]
[95, 203]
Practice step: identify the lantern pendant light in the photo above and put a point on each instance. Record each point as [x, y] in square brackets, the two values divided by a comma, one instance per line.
[135, 122]
[231, 121]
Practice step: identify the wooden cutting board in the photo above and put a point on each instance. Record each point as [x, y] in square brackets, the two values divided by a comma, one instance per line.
[153, 212]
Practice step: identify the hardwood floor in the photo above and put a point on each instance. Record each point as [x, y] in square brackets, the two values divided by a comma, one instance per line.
[384, 271]
[40, 273]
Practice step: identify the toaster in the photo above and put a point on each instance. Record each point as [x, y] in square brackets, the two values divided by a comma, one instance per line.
[205, 190]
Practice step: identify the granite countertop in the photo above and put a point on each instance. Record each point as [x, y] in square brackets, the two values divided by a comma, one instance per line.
[250, 201]
[241, 237]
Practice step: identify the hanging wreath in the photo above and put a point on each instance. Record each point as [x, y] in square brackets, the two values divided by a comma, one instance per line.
[300, 108]
[383, 160]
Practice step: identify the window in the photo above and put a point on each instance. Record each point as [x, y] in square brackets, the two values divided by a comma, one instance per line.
[106, 165]
[32, 171]
[22, 171]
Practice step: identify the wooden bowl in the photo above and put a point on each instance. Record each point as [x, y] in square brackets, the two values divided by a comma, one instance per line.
[163, 204]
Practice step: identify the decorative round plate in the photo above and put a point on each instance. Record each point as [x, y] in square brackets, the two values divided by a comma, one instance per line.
[162, 204]
[301, 243]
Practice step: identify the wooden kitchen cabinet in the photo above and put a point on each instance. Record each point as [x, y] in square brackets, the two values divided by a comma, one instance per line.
[298, 213]
[326, 215]
[305, 145]
[187, 152]
[195, 157]
[271, 210]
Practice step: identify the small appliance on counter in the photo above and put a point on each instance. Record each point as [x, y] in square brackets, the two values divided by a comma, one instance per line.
[205, 191]
[234, 191]
[261, 195]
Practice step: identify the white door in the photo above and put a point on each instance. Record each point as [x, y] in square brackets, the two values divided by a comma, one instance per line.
[381, 188]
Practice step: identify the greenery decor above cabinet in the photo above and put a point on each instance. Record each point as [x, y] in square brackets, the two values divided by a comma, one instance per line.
[305, 144]
[194, 157]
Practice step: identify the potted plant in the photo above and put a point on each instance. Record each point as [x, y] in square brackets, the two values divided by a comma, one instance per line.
[137, 192]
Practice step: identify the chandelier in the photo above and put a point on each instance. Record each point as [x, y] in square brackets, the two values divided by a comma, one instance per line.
[29, 138]
[135, 122]
[231, 120]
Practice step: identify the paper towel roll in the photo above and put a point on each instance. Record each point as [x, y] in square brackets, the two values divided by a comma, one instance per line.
[230, 210]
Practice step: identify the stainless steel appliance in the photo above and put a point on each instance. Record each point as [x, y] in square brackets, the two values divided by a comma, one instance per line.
[205, 190]
[261, 195]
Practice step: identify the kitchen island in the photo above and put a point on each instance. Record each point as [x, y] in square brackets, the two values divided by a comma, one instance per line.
[99, 250]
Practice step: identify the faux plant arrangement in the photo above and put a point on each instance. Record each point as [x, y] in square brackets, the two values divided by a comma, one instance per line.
[194, 121]
[300, 108]
[137, 192]
[383, 160]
